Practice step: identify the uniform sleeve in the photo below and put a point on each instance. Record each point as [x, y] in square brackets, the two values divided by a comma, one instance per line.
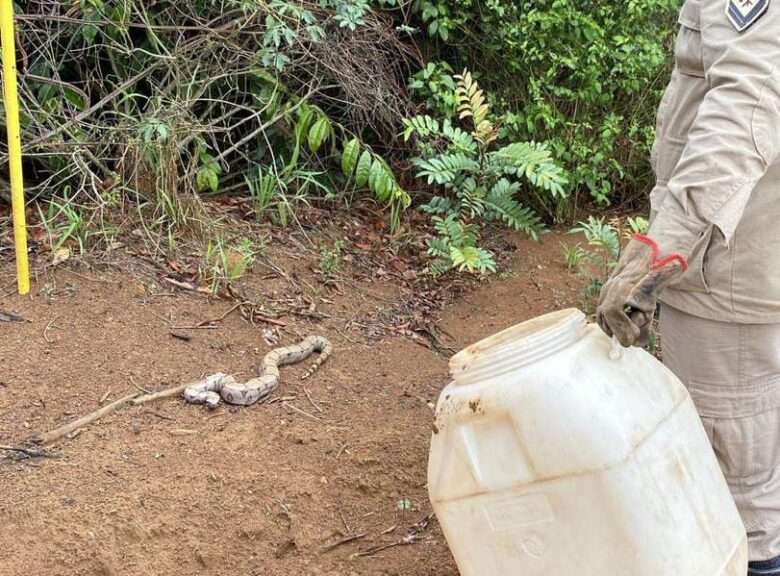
[735, 136]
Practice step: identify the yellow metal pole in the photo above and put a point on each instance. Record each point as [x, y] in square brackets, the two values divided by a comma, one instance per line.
[11, 101]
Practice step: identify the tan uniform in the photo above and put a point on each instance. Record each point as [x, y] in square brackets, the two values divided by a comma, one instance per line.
[717, 197]
[717, 201]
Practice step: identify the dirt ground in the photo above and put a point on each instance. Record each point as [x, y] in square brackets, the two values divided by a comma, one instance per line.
[169, 488]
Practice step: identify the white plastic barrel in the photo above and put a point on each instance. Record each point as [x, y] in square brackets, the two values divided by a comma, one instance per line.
[550, 458]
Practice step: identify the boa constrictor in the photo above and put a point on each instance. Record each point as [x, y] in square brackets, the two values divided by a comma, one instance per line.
[222, 387]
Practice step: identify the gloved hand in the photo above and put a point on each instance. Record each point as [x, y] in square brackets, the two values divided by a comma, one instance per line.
[628, 299]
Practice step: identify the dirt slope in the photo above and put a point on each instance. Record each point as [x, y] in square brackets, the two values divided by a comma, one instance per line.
[173, 489]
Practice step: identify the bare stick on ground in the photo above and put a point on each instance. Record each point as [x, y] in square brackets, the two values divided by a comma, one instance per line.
[135, 399]
[345, 540]
[167, 393]
[57, 433]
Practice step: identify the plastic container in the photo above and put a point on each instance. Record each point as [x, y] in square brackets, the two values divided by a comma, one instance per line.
[550, 458]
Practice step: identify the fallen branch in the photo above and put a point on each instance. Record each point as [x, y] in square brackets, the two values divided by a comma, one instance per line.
[180, 336]
[343, 541]
[311, 400]
[179, 284]
[227, 313]
[182, 432]
[133, 399]
[161, 416]
[46, 330]
[301, 412]
[167, 393]
[91, 110]
[413, 536]
[267, 320]
[57, 433]
[207, 324]
[376, 549]
[137, 387]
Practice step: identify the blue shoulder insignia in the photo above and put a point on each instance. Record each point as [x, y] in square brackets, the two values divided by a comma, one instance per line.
[744, 13]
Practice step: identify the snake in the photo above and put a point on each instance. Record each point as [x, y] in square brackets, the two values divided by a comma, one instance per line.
[221, 387]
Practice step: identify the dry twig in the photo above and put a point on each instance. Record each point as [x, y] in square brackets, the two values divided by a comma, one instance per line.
[300, 411]
[412, 537]
[345, 540]
[167, 393]
[62, 431]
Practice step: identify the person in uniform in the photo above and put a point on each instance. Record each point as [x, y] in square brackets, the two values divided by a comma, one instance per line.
[711, 256]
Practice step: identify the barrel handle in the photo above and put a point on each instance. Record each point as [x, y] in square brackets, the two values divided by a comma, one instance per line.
[616, 349]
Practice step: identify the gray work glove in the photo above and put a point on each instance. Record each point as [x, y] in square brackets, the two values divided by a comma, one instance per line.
[629, 298]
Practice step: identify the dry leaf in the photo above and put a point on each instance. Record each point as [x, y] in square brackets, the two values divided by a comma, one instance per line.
[60, 256]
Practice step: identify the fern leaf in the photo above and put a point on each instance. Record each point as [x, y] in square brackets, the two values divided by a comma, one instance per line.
[472, 259]
[439, 205]
[440, 266]
[439, 247]
[600, 234]
[500, 204]
[461, 140]
[349, 159]
[445, 168]
[422, 126]
[471, 103]
[472, 198]
[534, 162]
[485, 132]
[438, 225]
[549, 177]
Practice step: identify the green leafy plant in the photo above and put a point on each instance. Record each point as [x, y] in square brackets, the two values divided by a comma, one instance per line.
[369, 170]
[455, 247]
[574, 256]
[281, 194]
[596, 262]
[64, 222]
[224, 264]
[637, 225]
[208, 172]
[435, 85]
[169, 101]
[331, 258]
[350, 13]
[586, 77]
[479, 180]
[283, 22]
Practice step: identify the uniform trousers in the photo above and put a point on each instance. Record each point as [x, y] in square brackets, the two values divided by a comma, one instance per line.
[732, 372]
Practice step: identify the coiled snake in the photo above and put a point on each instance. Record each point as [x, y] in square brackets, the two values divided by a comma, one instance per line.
[222, 387]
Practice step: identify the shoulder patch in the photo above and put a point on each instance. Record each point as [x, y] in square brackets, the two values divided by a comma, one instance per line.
[744, 13]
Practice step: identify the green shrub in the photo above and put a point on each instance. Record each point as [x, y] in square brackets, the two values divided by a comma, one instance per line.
[585, 76]
[478, 178]
[170, 100]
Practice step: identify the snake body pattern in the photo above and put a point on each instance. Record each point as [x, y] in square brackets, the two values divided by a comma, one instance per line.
[219, 386]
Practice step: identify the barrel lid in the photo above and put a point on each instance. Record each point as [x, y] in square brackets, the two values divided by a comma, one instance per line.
[518, 346]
